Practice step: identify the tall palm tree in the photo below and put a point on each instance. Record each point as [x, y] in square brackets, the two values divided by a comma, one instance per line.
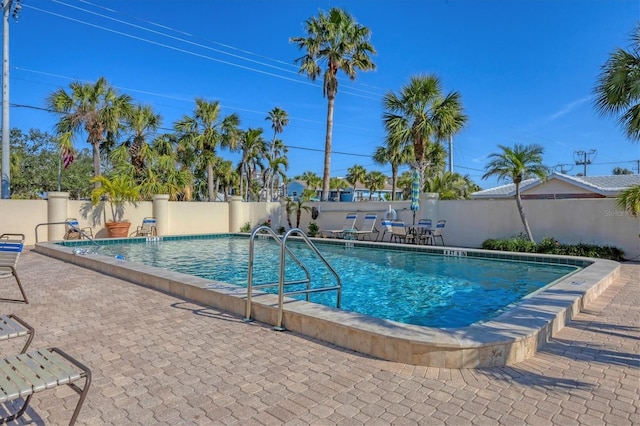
[279, 119]
[395, 155]
[421, 115]
[517, 164]
[336, 41]
[97, 109]
[338, 184]
[203, 132]
[252, 145]
[618, 93]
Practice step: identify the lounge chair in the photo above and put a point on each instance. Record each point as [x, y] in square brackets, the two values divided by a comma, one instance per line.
[25, 374]
[11, 246]
[147, 228]
[368, 227]
[386, 229]
[400, 233]
[11, 327]
[430, 238]
[349, 223]
[75, 232]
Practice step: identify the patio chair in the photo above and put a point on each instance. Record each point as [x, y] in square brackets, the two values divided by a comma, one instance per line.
[368, 227]
[147, 228]
[11, 327]
[11, 246]
[430, 238]
[386, 229]
[74, 231]
[400, 233]
[28, 373]
[425, 222]
[349, 223]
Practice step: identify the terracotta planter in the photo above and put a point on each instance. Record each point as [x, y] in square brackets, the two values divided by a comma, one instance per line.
[118, 229]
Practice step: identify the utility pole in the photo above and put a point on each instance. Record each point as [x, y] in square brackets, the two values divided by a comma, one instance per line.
[7, 9]
[583, 158]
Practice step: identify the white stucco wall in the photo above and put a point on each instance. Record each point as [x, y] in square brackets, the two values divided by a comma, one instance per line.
[469, 222]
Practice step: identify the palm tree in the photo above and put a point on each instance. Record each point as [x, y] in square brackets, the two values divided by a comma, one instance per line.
[96, 109]
[279, 119]
[396, 155]
[375, 181]
[337, 42]
[517, 164]
[311, 179]
[252, 145]
[203, 132]
[142, 122]
[450, 186]
[338, 184]
[420, 115]
[618, 93]
[355, 174]
[618, 88]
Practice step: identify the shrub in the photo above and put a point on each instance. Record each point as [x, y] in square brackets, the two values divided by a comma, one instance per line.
[246, 227]
[313, 229]
[552, 246]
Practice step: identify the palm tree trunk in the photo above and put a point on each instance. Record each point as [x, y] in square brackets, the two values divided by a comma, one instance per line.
[394, 180]
[522, 215]
[327, 147]
[210, 182]
[96, 161]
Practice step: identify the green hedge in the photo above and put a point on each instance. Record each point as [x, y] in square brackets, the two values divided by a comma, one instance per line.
[552, 246]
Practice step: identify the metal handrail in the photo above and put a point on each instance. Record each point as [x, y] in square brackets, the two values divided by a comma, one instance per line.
[80, 231]
[250, 285]
[281, 282]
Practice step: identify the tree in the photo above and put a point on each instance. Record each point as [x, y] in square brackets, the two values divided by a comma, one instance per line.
[202, 133]
[252, 145]
[356, 174]
[517, 164]
[337, 42]
[621, 171]
[396, 155]
[338, 184]
[142, 122]
[618, 87]
[618, 94]
[450, 186]
[96, 109]
[375, 181]
[310, 179]
[420, 115]
[276, 152]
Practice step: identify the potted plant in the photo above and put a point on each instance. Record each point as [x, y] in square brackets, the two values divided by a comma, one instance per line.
[117, 190]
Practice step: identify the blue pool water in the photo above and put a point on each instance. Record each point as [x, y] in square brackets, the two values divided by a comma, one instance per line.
[405, 286]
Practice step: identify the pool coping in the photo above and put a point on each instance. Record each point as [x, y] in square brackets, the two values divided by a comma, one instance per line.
[513, 336]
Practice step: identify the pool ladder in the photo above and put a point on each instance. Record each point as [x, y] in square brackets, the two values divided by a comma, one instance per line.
[265, 231]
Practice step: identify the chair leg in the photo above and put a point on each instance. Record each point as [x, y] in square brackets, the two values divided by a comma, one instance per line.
[82, 392]
[19, 413]
[24, 295]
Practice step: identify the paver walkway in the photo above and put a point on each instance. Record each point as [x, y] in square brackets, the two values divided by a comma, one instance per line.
[157, 359]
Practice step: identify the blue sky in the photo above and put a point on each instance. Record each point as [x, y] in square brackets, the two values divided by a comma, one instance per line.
[525, 69]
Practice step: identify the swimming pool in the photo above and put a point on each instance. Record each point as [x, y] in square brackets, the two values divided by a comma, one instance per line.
[410, 287]
[514, 335]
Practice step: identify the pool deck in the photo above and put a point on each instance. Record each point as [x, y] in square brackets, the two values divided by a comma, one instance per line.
[158, 359]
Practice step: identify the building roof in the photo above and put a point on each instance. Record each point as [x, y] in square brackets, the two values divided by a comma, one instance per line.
[607, 186]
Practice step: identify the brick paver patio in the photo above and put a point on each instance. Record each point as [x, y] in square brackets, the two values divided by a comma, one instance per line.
[157, 359]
